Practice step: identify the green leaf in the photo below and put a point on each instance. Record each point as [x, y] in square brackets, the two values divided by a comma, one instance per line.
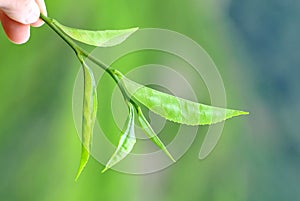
[88, 116]
[105, 38]
[151, 134]
[177, 109]
[126, 143]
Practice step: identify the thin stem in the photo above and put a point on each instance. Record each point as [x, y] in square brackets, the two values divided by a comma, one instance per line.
[81, 52]
[50, 22]
[78, 50]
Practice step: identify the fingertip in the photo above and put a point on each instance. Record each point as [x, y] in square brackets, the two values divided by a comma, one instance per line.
[38, 23]
[21, 40]
[16, 32]
[43, 10]
[42, 6]
[33, 16]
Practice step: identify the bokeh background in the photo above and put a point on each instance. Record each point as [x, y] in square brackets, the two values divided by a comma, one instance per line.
[256, 47]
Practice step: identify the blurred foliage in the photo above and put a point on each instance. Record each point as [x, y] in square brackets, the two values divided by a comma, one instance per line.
[253, 43]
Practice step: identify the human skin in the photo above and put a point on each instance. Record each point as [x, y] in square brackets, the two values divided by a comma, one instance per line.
[17, 16]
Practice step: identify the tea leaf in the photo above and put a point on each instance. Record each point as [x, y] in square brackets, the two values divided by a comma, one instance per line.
[88, 116]
[151, 134]
[105, 38]
[126, 143]
[177, 109]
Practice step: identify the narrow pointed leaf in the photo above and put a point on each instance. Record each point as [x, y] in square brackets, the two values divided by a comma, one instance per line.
[177, 109]
[88, 116]
[126, 143]
[152, 135]
[104, 38]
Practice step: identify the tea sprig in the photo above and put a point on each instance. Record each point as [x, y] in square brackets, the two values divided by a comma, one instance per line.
[172, 108]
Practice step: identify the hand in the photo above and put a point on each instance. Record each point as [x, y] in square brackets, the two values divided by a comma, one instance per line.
[17, 16]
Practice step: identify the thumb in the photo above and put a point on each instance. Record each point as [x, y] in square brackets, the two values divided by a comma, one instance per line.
[22, 11]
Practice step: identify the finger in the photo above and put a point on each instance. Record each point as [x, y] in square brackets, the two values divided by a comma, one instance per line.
[16, 32]
[24, 11]
[42, 6]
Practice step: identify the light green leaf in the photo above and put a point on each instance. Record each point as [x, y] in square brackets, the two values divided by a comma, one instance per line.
[88, 116]
[126, 143]
[177, 109]
[151, 134]
[105, 38]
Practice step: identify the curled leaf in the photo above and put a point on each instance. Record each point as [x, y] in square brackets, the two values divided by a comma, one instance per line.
[105, 38]
[151, 134]
[88, 116]
[126, 142]
[177, 109]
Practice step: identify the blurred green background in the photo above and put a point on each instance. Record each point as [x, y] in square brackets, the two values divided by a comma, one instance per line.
[256, 47]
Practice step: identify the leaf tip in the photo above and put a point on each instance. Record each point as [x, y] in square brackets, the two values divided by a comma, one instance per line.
[172, 159]
[84, 160]
[235, 113]
[76, 178]
[104, 170]
[134, 29]
[169, 155]
[79, 172]
[243, 113]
